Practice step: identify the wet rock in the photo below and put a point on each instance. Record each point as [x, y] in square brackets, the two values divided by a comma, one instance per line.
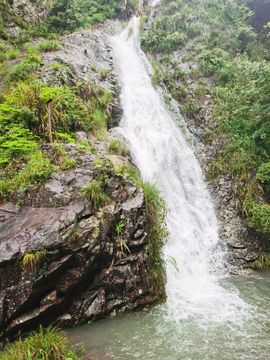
[83, 274]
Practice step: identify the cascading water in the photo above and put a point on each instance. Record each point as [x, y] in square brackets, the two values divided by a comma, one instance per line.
[164, 158]
[204, 317]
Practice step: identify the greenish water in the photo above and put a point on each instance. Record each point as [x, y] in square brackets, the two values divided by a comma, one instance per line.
[156, 335]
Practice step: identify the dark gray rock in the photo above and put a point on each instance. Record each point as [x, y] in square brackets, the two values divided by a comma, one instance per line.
[84, 273]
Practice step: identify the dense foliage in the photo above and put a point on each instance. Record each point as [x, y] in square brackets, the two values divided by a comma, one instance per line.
[210, 51]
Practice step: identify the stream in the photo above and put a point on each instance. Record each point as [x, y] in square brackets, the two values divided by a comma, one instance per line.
[207, 315]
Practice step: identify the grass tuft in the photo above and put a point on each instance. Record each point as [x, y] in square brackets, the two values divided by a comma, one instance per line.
[95, 192]
[45, 344]
[31, 260]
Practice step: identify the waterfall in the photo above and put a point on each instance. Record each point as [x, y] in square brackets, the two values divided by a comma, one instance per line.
[165, 158]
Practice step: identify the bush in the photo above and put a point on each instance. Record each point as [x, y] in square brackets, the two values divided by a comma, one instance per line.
[68, 15]
[45, 344]
[258, 216]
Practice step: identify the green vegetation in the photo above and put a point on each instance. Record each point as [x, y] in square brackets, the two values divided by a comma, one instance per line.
[36, 170]
[31, 260]
[96, 193]
[156, 213]
[24, 69]
[263, 262]
[31, 113]
[123, 249]
[118, 148]
[49, 45]
[220, 60]
[68, 15]
[45, 344]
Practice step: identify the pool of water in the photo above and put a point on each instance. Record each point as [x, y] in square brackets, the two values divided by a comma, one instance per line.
[156, 335]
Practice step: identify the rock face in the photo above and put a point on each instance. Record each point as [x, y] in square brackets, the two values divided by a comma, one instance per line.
[88, 262]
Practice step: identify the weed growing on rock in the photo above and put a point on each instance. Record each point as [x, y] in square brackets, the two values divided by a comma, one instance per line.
[31, 260]
[49, 45]
[116, 147]
[95, 192]
[156, 213]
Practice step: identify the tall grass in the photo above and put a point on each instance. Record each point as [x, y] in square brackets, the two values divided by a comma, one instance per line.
[45, 344]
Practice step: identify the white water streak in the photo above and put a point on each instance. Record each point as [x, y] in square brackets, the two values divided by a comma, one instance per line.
[164, 158]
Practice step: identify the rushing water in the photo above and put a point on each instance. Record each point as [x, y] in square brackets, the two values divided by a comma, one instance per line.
[205, 316]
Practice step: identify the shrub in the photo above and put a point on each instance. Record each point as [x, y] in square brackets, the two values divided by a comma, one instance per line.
[95, 192]
[258, 216]
[68, 15]
[45, 344]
